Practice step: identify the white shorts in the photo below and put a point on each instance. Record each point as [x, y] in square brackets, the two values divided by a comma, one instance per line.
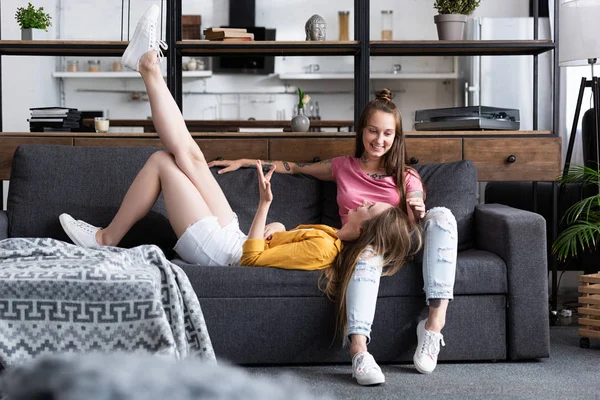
[207, 243]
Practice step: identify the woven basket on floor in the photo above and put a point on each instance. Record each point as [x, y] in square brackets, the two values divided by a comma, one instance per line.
[589, 312]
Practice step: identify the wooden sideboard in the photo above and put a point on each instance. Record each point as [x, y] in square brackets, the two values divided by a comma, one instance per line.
[498, 155]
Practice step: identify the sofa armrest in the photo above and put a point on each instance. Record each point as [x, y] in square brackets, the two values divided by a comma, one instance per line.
[519, 238]
[3, 225]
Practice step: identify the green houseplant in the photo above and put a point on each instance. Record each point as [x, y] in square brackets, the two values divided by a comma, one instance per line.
[30, 18]
[452, 17]
[582, 218]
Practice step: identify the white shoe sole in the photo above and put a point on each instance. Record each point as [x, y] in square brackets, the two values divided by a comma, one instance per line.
[420, 368]
[371, 382]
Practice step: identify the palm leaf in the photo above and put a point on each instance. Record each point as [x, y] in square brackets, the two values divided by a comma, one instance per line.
[581, 235]
[580, 174]
[582, 217]
[583, 209]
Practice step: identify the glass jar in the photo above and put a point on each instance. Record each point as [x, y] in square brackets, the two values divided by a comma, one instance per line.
[72, 66]
[387, 24]
[343, 17]
[93, 65]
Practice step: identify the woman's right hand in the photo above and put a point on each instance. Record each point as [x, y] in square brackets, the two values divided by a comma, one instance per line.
[230, 165]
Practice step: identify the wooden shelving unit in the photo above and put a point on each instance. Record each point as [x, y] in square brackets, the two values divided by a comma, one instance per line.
[460, 48]
[268, 48]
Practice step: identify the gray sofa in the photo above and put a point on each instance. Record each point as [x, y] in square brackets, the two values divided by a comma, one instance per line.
[268, 315]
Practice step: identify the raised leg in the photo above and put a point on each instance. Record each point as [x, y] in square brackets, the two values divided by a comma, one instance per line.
[173, 132]
[183, 202]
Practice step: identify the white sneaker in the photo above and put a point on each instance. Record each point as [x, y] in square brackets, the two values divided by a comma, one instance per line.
[428, 348]
[81, 233]
[365, 369]
[144, 39]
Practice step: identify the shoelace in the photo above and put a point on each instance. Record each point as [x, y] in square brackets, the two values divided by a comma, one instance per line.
[431, 344]
[85, 226]
[365, 364]
[157, 44]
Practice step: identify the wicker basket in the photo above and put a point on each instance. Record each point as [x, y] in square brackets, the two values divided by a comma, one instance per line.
[589, 312]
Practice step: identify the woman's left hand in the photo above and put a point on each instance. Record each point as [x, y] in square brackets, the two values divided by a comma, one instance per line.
[417, 205]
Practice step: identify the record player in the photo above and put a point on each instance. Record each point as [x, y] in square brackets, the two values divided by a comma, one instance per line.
[467, 118]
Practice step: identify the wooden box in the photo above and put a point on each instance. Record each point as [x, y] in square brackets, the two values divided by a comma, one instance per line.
[589, 312]
[190, 27]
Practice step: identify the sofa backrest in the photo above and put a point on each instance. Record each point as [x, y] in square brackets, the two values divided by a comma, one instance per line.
[87, 182]
[90, 182]
[453, 185]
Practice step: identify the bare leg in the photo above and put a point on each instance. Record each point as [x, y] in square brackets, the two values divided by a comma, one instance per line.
[437, 315]
[173, 132]
[183, 202]
[358, 343]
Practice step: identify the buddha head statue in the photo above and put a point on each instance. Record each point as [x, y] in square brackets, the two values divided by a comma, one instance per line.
[315, 28]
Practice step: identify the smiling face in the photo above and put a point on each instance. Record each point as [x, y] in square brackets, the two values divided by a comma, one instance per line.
[366, 211]
[379, 133]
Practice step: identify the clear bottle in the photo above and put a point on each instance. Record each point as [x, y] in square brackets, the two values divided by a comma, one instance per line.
[73, 66]
[343, 17]
[387, 24]
[93, 65]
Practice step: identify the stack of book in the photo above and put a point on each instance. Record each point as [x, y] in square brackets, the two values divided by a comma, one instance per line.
[228, 34]
[54, 119]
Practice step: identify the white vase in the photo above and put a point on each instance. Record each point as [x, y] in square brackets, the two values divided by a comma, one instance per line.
[300, 123]
[33, 34]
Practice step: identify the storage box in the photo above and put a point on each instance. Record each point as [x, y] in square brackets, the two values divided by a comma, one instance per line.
[589, 312]
[190, 27]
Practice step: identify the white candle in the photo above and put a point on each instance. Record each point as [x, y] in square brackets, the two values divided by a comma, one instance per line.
[101, 124]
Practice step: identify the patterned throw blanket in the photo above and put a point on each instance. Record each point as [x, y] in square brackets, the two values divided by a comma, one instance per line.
[57, 297]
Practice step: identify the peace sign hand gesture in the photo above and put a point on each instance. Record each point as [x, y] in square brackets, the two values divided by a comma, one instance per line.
[264, 183]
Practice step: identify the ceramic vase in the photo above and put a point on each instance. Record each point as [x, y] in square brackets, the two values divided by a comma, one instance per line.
[450, 26]
[300, 123]
[33, 34]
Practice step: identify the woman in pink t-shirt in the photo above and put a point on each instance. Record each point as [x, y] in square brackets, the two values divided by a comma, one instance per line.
[378, 172]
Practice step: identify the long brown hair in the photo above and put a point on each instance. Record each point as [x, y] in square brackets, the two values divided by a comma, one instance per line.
[391, 235]
[394, 161]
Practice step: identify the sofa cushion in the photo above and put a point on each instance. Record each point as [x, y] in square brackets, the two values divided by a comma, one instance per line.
[453, 185]
[87, 182]
[477, 272]
[296, 198]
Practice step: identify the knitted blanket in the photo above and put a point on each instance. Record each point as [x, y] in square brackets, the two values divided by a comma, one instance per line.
[56, 297]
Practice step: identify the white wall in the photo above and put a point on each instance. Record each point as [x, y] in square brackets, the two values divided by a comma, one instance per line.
[26, 81]
[263, 97]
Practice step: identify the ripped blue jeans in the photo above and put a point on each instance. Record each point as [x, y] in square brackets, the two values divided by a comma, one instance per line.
[440, 242]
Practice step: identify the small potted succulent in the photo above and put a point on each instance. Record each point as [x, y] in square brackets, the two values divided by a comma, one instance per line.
[452, 17]
[31, 20]
[301, 123]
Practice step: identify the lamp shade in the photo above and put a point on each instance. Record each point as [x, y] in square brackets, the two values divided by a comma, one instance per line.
[579, 33]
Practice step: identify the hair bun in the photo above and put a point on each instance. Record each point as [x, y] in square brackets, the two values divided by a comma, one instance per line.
[384, 94]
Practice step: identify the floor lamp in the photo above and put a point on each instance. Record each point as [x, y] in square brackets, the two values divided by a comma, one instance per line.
[579, 44]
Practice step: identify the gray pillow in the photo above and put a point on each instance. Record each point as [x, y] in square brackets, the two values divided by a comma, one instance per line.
[453, 185]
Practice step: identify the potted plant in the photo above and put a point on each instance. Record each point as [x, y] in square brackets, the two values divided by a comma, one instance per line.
[582, 218]
[452, 17]
[301, 123]
[30, 19]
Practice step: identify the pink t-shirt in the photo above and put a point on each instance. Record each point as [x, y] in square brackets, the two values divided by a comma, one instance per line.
[354, 185]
